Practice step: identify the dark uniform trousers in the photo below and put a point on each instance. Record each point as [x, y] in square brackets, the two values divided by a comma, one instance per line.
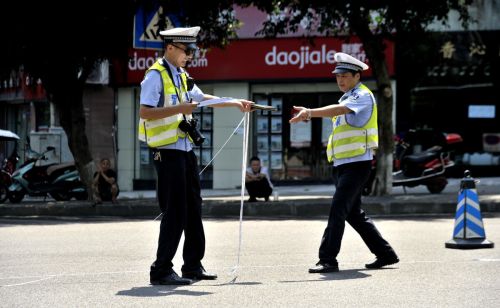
[178, 191]
[349, 180]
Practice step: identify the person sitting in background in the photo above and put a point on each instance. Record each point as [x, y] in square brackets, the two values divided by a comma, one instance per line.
[257, 181]
[104, 184]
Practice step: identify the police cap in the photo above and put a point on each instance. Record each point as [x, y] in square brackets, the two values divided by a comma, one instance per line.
[347, 63]
[186, 36]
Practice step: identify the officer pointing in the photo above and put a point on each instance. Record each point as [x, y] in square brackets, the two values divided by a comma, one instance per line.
[168, 97]
[351, 148]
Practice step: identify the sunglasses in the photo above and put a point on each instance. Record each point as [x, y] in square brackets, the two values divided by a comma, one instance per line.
[187, 51]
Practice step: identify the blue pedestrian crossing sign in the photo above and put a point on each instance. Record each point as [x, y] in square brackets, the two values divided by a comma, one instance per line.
[147, 27]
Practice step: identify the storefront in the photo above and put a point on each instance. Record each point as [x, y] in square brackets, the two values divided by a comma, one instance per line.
[459, 94]
[282, 72]
[26, 110]
[23, 108]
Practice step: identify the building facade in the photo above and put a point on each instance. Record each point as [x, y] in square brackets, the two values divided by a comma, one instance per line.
[282, 72]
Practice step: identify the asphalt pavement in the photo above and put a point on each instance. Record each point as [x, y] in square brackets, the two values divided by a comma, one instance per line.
[104, 262]
[286, 201]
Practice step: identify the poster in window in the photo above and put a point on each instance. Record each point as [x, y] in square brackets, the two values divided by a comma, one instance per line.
[326, 130]
[205, 157]
[277, 102]
[144, 156]
[276, 124]
[208, 139]
[300, 134]
[262, 101]
[276, 161]
[206, 124]
[264, 158]
[262, 143]
[262, 126]
[276, 143]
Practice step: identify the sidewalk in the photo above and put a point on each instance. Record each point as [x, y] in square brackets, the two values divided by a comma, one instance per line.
[288, 201]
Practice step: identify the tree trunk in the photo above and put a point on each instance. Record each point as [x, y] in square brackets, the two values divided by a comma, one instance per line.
[374, 49]
[68, 99]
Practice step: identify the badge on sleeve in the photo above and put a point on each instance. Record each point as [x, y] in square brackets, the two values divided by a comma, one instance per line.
[354, 94]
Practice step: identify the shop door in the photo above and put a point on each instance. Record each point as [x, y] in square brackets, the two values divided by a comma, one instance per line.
[293, 153]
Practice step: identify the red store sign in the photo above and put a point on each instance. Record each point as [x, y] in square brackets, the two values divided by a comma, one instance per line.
[262, 59]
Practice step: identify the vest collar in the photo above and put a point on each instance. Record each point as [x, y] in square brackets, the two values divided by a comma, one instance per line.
[175, 70]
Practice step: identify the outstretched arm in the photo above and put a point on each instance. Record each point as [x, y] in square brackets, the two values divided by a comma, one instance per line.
[243, 104]
[305, 114]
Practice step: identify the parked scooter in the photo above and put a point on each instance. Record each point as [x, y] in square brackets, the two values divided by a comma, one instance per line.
[412, 167]
[9, 164]
[61, 181]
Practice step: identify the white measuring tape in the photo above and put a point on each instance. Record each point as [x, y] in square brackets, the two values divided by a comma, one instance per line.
[243, 174]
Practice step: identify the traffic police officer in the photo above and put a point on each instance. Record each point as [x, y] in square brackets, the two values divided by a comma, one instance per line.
[167, 100]
[351, 147]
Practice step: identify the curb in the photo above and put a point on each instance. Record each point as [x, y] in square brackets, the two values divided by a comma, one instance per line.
[317, 207]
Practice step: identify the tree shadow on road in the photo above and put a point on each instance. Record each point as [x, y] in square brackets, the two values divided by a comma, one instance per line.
[152, 291]
[342, 275]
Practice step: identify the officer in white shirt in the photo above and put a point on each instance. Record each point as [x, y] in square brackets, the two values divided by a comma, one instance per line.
[351, 148]
[168, 98]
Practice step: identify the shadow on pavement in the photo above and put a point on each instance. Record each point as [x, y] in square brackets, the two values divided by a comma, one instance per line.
[342, 275]
[151, 291]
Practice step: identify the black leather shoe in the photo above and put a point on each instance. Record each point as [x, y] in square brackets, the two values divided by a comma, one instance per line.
[171, 279]
[252, 199]
[383, 261]
[199, 274]
[323, 267]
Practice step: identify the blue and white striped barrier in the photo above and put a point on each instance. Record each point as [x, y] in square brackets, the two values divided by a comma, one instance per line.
[469, 229]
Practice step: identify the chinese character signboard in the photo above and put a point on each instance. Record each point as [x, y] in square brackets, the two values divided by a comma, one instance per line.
[460, 56]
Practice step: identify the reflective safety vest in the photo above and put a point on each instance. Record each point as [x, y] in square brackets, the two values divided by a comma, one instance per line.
[164, 131]
[347, 141]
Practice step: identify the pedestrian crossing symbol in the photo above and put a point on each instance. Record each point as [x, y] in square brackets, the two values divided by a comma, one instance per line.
[147, 26]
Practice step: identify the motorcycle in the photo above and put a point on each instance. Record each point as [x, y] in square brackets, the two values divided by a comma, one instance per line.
[61, 181]
[9, 164]
[413, 167]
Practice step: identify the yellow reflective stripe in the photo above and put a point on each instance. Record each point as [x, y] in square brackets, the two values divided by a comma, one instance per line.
[349, 147]
[349, 134]
[153, 131]
[161, 137]
[349, 150]
[163, 121]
